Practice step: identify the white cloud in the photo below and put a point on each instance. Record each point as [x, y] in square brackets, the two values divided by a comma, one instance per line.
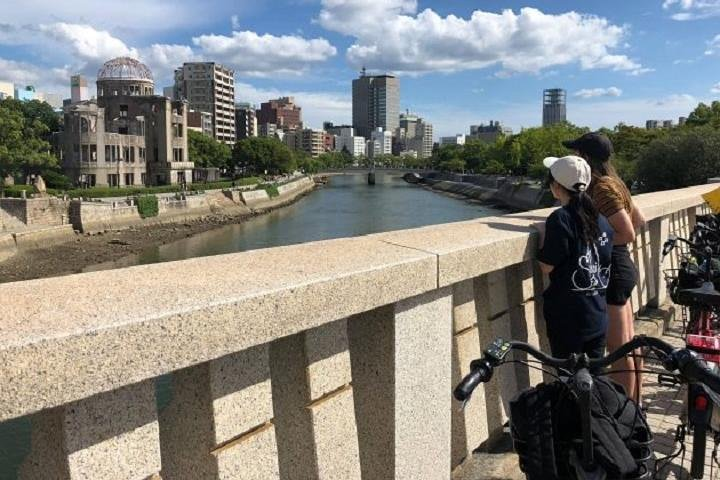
[317, 106]
[21, 73]
[598, 92]
[390, 35]
[715, 88]
[87, 43]
[260, 55]
[692, 9]
[713, 46]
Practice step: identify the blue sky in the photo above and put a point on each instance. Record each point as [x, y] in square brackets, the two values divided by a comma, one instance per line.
[461, 62]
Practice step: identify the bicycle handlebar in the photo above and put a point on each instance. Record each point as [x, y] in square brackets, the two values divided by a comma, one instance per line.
[684, 360]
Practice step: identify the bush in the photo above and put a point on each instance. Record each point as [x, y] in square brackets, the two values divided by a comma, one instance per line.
[270, 188]
[147, 206]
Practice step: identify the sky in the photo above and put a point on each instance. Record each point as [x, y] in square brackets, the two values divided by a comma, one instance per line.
[460, 62]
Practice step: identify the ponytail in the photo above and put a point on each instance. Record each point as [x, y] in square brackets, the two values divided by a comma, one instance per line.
[583, 209]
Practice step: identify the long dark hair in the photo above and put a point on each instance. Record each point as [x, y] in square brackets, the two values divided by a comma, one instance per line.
[603, 168]
[583, 211]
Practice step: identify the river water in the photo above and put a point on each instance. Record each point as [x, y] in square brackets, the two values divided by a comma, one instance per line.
[346, 207]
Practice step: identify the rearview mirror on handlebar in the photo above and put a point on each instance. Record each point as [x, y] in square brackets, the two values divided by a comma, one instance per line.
[669, 245]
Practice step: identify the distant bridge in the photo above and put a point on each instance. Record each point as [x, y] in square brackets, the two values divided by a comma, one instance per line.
[366, 170]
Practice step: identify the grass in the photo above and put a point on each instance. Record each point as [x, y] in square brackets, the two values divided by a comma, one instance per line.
[103, 192]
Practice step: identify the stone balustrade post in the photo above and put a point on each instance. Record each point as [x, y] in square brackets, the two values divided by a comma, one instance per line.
[401, 368]
[219, 422]
[109, 436]
[469, 424]
[313, 403]
[659, 231]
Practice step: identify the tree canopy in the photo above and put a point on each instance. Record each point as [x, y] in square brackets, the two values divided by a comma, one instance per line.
[257, 155]
[24, 133]
[208, 152]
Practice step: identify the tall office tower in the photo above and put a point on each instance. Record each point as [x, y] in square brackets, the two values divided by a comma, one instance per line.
[283, 112]
[376, 103]
[246, 124]
[554, 106]
[209, 87]
[78, 89]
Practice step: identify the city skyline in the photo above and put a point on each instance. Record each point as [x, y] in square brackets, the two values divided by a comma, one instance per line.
[623, 62]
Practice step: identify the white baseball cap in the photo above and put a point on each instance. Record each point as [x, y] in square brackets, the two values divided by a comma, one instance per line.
[571, 172]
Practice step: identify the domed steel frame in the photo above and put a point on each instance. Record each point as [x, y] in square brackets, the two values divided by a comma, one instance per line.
[125, 68]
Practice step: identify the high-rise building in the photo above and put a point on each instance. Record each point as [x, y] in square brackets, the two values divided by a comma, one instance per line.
[682, 121]
[489, 133]
[414, 134]
[246, 124]
[7, 90]
[458, 139]
[25, 94]
[346, 140]
[283, 112]
[78, 89]
[658, 124]
[554, 106]
[380, 143]
[200, 122]
[169, 92]
[267, 130]
[128, 135]
[376, 103]
[209, 87]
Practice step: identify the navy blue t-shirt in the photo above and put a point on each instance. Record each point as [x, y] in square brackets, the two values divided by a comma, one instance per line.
[574, 303]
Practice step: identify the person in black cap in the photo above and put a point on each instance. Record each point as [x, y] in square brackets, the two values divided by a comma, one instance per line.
[612, 199]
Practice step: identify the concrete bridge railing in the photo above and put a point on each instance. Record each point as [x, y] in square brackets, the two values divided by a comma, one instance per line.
[326, 360]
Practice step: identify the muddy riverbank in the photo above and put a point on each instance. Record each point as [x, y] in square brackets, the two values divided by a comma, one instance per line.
[87, 250]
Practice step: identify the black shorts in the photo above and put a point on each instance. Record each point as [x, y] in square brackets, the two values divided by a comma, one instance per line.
[563, 347]
[623, 276]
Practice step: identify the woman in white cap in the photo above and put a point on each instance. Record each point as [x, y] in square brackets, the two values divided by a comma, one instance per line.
[612, 199]
[575, 249]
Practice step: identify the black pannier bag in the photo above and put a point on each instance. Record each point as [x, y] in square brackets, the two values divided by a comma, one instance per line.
[545, 427]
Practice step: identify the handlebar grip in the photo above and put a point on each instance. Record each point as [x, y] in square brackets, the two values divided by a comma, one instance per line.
[481, 372]
[695, 370]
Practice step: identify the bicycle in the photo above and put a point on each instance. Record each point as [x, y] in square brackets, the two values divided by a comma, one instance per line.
[574, 377]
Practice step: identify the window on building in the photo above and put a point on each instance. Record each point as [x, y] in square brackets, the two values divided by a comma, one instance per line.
[93, 153]
[107, 153]
[141, 154]
[177, 154]
[132, 154]
[141, 128]
[123, 130]
[156, 156]
[129, 179]
[126, 154]
[123, 111]
[90, 179]
[84, 125]
[178, 129]
[113, 179]
[143, 179]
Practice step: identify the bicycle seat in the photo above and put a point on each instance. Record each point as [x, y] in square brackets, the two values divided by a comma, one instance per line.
[704, 295]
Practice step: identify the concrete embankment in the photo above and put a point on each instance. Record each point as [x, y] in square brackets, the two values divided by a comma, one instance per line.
[502, 191]
[93, 217]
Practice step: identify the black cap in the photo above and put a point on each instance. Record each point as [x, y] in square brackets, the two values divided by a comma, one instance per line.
[595, 144]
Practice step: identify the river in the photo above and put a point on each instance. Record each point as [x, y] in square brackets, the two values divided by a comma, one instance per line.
[345, 207]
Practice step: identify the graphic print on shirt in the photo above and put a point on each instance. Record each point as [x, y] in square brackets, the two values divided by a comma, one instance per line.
[590, 276]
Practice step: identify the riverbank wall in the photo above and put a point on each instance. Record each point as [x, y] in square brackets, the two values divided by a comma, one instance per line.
[507, 192]
[94, 217]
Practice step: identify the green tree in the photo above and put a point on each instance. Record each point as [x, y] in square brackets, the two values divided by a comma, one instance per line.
[23, 148]
[686, 156]
[207, 152]
[629, 144]
[705, 115]
[262, 154]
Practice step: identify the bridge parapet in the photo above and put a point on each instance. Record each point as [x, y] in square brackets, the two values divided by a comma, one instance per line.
[331, 359]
